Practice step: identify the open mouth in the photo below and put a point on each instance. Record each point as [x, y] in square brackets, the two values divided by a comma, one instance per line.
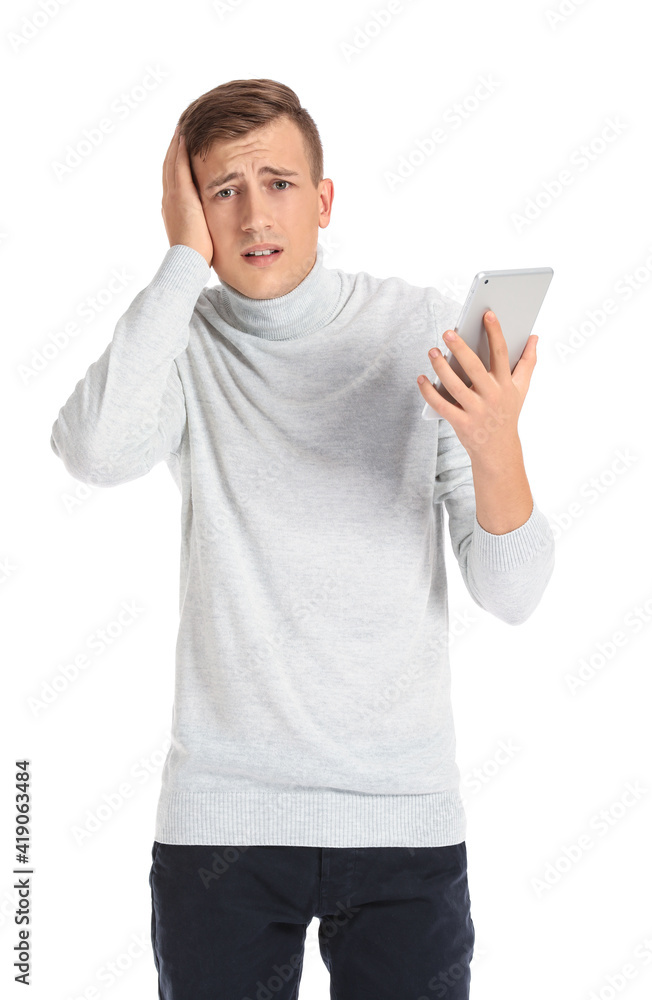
[261, 258]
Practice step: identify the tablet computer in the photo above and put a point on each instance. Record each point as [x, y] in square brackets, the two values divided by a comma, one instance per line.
[515, 296]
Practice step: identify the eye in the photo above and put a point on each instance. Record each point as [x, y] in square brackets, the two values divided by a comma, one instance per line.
[223, 190]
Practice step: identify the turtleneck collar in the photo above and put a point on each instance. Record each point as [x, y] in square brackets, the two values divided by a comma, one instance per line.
[305, 309]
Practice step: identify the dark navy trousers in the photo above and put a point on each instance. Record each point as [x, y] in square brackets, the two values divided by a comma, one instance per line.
[229, 923]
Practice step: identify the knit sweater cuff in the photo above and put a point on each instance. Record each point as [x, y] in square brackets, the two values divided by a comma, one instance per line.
[181, 266]
[513, 548]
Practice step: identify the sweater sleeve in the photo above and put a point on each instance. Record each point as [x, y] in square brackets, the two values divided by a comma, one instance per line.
[506, 574]
[128, 411]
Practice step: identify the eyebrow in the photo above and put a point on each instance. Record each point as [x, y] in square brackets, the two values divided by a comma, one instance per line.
[234, 175]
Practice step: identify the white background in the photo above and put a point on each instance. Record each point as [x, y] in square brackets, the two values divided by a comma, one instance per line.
[546, 926]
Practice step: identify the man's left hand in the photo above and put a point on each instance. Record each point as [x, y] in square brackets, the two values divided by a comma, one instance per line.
[485, 416]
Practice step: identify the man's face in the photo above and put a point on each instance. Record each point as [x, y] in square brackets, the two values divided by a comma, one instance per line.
[262, 207]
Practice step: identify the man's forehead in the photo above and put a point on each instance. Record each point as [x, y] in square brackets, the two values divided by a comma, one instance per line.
[260, 142]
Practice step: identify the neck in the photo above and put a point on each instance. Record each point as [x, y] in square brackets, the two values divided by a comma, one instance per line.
[305, 309]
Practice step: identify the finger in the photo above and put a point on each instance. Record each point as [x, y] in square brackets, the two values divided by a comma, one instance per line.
[468, 359]
[498, 353]
[441, 406]
[525, 366]
[168, 162]
[451, 381]
[183, 168]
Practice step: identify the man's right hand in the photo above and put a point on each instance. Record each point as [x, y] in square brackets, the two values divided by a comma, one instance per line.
[182, 210]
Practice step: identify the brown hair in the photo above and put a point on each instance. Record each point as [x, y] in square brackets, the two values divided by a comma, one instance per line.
[240, 106]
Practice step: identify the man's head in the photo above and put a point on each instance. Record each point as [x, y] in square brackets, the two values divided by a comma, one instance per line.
[258, 130]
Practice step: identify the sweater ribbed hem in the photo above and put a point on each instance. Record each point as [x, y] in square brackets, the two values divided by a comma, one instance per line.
[310, 819]
[512, 549]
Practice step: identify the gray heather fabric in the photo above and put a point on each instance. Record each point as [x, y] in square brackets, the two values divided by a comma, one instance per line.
[312, 696]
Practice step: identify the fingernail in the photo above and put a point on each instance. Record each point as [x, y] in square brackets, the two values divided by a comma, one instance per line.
[490, 316]
[435, 352]
[450, 335]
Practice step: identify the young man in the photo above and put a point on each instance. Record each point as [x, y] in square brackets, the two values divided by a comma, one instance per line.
[312, 768]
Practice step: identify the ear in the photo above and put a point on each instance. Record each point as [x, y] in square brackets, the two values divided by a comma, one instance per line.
[326, 195]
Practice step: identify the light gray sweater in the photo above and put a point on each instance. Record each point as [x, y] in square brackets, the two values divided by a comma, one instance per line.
[312, 688]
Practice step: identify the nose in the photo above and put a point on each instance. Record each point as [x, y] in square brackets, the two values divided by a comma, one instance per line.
[256, 211]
